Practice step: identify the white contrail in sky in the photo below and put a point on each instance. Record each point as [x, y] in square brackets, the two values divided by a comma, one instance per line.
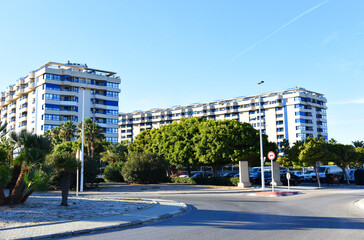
[275, 32]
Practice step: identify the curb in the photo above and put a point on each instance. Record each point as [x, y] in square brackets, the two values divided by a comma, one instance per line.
[182, 207]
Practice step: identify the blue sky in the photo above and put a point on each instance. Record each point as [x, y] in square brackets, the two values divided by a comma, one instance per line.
[173, 52]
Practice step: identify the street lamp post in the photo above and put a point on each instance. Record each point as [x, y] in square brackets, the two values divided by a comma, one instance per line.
[260, 137]
[83, 139]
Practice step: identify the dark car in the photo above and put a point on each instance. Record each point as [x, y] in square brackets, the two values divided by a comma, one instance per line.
[257, 178]
[294, 181]
[229, 174]
[202, 174]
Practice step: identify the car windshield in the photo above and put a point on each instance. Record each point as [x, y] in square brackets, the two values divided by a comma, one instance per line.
[321, 169]
[253, 170]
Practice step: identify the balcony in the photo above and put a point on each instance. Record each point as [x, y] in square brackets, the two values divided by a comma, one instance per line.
[30, 87]
[31, 75]
[19, 92]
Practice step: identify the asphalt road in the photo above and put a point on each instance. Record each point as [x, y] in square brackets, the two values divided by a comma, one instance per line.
[321, 214]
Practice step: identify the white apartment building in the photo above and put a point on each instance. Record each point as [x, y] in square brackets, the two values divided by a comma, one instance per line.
[294, 114]
[56, 93]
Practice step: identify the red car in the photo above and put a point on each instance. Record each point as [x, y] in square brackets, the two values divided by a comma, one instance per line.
[179, 174]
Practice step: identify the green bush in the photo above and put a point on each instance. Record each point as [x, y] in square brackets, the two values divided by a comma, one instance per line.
[112, 172]
[217, 181]
[144, 168]
[182, 180]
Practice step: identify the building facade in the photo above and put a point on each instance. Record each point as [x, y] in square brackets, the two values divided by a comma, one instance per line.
[293, 114]
[56, 93]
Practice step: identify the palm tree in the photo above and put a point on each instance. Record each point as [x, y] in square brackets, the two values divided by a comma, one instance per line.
[115, 152]
[67, 131]
[66, 163]
[93, 135]
[358, 144]
[54, 135]
[32, 152]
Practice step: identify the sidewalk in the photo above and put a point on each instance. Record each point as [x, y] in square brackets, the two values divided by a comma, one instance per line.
[163, 209]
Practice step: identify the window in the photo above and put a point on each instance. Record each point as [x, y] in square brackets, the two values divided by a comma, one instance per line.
[111, 121]
[279, 115]
[49, 96]
[112, 139]
[279, 122]
[51, 117]
[111, 112]
[52, 87]
[52, 77]
[112, 85]
[280, 136]
[279, 129]
[111, 130]
[112, 94]
[49, 126]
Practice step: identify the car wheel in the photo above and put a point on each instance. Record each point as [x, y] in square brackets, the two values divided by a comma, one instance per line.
[295, 183]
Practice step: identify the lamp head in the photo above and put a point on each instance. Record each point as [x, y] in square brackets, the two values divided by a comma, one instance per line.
[260, 82]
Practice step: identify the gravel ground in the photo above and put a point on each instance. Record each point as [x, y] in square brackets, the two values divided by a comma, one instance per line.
[47, 209]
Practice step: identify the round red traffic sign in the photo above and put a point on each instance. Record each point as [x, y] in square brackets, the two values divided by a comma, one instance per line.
[271, 155]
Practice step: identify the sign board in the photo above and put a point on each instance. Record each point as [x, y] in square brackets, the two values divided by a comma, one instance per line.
[288, 176]
[271, 155]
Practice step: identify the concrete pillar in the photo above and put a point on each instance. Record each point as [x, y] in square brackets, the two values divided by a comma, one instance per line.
[244, 180]
[276, 173]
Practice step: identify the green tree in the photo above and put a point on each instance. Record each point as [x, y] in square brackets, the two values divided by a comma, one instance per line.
[144, 167]
[53, 135]
[115, 152]
[67, 131]
[312, 152]
[358, 144]
[66, 164]
[5, 173]
[93, 136]
[113, 172]
[291, 156]
[342, 155]
[228, 141]
[33, 149]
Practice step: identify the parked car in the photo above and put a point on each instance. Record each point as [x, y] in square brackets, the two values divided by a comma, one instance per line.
[325, 169]
[307, 176]
[202, 174]
[257, 178]
[256, 170]
[229, 174]
[294, 180]
[179, 174]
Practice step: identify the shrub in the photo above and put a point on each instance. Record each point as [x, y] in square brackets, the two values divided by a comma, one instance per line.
[112, 172]
[217, 181]
[182, 180]
[144, 168]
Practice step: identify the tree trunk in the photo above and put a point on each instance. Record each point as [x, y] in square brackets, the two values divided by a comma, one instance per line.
[65, 186]
[214, 168]
[17, 193]
[14, 177]
[25, 197]
[189, 170]
[317, 177]
[346, 175]
[88, 151]
[2, 196]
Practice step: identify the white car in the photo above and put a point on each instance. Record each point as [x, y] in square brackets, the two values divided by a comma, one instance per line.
[307, 176]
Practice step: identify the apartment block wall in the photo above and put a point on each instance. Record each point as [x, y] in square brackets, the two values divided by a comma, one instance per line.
[293, 114]
[53, 94]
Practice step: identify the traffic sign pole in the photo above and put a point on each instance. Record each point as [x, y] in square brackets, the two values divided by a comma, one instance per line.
[271, 157]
